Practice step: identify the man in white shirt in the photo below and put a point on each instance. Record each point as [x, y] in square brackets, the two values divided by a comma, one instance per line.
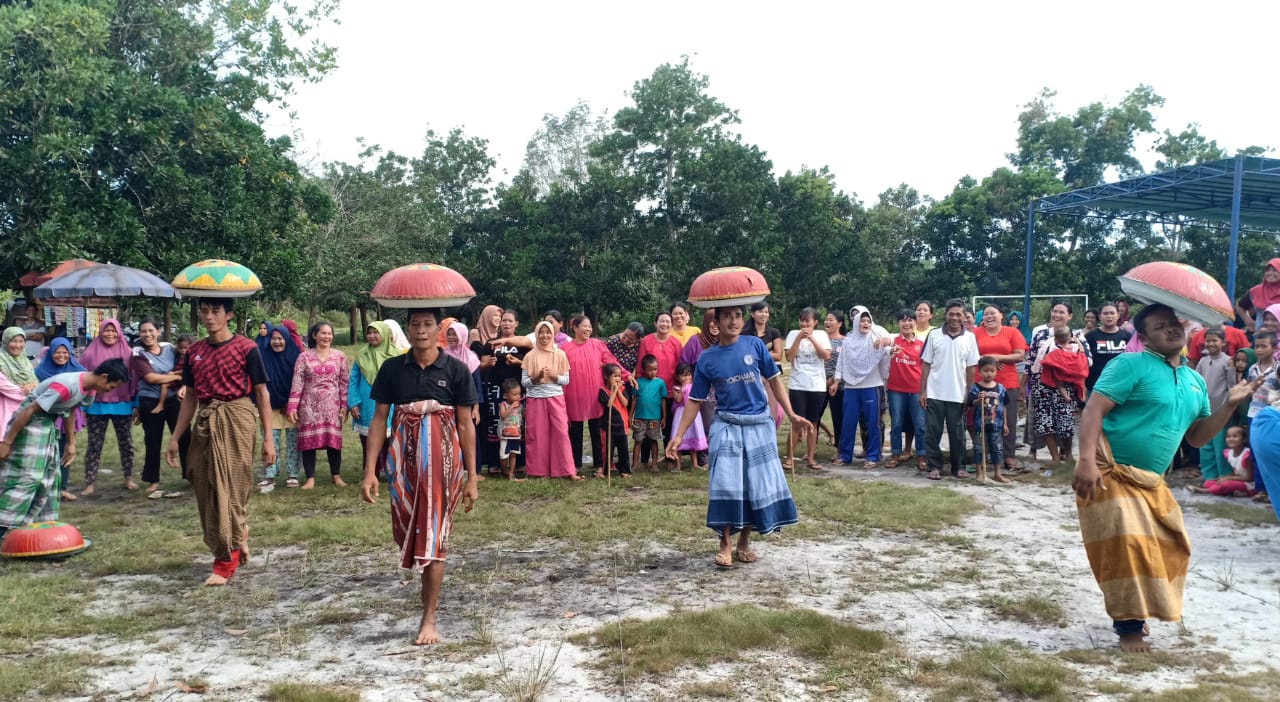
[947, 365]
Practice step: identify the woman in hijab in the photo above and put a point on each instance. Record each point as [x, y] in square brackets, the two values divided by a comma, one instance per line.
[457, 345]
[378, 347]
[17, 375]
[279, 354]
[488, 329]
[399, 341]
[114, 407]
[61, 358]
[544, 374]
[1261, 296]
[863, 367]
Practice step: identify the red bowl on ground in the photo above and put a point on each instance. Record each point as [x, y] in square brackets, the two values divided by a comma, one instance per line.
[43, 540]
[728, 287]
[1191, 292]
[422, 285]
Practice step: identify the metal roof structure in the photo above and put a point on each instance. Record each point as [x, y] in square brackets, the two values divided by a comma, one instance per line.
[1243, 192]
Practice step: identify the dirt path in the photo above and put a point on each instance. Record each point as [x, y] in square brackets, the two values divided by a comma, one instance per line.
[936, 595]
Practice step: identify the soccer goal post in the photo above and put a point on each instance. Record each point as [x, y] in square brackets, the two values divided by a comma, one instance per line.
[1040, 305]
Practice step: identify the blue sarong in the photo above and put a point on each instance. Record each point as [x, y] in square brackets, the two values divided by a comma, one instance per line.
[747, 485]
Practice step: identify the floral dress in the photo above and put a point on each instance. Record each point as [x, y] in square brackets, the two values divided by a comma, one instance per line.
[319, 396]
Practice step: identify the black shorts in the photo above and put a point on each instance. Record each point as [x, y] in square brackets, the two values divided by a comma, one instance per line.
[808, 403]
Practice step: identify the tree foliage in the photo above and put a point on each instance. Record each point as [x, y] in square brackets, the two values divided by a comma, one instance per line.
[130, 134]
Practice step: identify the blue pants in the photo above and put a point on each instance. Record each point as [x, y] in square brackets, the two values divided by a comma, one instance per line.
[994, 435]
[861, 406]
[904, 407]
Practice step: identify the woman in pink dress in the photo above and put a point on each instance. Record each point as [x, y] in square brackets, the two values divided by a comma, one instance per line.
[581, 396]
[318, 402]
[544, 374]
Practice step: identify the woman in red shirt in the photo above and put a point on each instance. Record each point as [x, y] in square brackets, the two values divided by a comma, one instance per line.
[904, 388]
[1009, 348]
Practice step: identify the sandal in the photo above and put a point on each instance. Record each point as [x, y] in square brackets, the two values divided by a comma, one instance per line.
[747, 556]
[892, 462]
[266, 482]
[870, 465]
[291, 482]
[154, 495]
[724, 561]
[813, 465]
[174, 493]
[934, 475]
[600, 475]
[923, 464]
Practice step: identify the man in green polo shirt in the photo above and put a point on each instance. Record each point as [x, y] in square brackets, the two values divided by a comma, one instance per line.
[1140, 409]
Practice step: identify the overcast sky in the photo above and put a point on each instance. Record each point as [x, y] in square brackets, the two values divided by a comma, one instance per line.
[883, 93]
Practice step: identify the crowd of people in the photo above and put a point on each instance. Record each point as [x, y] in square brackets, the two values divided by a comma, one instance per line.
[448, 405]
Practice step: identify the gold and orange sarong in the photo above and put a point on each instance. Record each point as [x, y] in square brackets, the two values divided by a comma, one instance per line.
[1136, 542]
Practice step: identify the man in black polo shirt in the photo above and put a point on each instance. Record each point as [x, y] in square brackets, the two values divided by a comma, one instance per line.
[427, 471]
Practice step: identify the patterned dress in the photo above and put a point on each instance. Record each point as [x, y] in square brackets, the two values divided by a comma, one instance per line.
[319, 395]
[29, 478]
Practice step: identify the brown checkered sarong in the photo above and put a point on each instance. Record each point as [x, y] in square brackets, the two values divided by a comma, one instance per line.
[220, 466]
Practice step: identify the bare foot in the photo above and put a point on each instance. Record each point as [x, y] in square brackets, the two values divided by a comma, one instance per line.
[427, 634]
[310, 484]
[68, 496]
[337, 480]
[130, 485]
[1134, 643]
[480, 476]
[999, 478]
[153, 487]
[87, 491]
[215, 580]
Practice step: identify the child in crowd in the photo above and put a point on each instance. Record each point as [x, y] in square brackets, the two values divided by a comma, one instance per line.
[648, 412]
[1264, 346]
[1065, 366]
[180, 347]
[613, 398]
[1237, 454]
[989, 399]
[1219, 375]
[695, 439]
[511, 426]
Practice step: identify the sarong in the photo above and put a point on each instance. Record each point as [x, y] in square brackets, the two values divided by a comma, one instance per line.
[1136, 542]
[747, 486]
[29, 489]
[220, 467]
[426, 478]
[547, 453]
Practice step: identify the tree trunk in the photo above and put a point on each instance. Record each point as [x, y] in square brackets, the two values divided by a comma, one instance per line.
[364, 318]
[354, 317]
[168, 319]
[194, 314]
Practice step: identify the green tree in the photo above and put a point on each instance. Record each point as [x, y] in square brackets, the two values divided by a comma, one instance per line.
[130, 134]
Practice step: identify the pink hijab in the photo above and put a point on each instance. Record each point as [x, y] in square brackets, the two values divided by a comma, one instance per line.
[98, 351]
[460, 350]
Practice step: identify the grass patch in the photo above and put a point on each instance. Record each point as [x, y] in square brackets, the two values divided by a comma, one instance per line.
[727, 634]
[1030, 610]
[1009, 670]
[1241, 514]
[306, 692]
[708, 691]
[1252, 687]
[1155, 660]
[45, 677]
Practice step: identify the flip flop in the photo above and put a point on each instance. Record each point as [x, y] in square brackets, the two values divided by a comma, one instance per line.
[724, 561]
[266, 482]
[747, 556]
[291, 482]
[934, 475]
[175, 493]
[155, 495]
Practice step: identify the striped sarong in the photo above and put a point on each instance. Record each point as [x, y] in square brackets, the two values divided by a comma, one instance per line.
[1136, 542]
[426, 478]
[747, 486]
[29, 478]
[220, 467]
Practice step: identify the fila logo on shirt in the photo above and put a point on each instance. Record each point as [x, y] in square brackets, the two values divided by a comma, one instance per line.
[1111, 346]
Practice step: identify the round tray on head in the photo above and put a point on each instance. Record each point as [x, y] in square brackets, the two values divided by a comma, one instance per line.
[216, 277]
[43, 540]
[1191, 292]
[422, 285]
[728, 287]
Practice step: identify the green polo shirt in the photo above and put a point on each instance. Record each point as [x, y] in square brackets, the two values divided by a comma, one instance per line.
[1155, 405]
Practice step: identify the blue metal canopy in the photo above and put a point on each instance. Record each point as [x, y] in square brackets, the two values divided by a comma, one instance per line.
[1243, 191]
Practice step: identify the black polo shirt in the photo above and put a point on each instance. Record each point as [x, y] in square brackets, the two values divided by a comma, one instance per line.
[401, 381]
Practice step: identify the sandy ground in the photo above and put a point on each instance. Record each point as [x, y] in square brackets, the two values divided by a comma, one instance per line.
[933, 595]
